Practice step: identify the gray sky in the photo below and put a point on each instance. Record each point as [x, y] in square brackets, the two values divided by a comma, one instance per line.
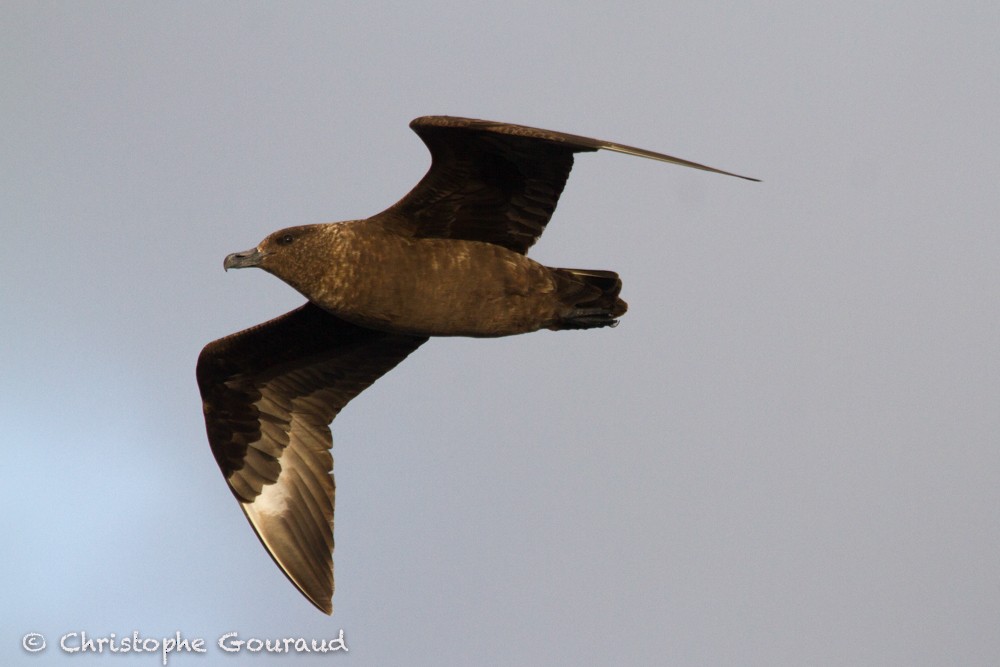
[785, 455]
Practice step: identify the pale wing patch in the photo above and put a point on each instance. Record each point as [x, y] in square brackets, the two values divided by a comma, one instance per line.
[269, 394]
[293, 511]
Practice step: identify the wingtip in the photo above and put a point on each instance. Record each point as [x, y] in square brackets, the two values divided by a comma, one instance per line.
[324, 604]
[729, 173]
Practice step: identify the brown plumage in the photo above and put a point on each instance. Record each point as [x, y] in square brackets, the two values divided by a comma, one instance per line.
[446, 260]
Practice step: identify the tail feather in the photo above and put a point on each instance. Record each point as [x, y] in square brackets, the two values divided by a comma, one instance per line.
[590, 297]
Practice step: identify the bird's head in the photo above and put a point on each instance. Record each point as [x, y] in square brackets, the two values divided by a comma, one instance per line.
[294, 254]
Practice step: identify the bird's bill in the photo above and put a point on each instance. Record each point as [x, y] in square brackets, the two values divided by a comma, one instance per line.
[242, 260]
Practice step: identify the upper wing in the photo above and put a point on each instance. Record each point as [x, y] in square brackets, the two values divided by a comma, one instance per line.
[269, 394]
[495, 182]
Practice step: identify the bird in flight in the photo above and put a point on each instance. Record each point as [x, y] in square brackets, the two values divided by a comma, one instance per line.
[448, 259]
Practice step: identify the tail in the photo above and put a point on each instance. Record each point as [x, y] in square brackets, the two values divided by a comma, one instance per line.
[590, 299]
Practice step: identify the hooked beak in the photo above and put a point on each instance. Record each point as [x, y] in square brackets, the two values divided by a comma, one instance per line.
[241, 260]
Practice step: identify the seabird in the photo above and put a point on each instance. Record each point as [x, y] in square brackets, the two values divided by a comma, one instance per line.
[448, 259]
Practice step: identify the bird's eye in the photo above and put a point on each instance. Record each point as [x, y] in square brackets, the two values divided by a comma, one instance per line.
[285, 239]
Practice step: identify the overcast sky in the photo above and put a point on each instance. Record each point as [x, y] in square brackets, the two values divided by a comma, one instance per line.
[786, 454]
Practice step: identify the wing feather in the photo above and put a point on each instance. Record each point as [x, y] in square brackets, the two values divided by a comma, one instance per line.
[496, 182]
[269, 394]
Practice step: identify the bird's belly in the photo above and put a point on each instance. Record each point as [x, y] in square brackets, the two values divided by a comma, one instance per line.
[438, 287]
